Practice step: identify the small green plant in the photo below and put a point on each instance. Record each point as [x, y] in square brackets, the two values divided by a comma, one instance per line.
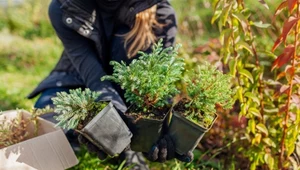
[150, 80]
[206, 88]
[76, 108]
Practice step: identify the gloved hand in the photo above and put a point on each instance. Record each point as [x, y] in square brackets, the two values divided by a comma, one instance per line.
[92, 148]
[164, 150]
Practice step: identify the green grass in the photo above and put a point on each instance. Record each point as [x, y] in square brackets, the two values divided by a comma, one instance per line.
[24, 63]
[88, 161]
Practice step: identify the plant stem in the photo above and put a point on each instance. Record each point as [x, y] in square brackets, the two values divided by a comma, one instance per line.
[260, 81]
[283, 157]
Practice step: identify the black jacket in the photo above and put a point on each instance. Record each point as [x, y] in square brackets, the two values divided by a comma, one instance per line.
[90, 41]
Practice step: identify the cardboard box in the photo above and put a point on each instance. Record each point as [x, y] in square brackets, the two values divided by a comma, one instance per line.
[50, 150]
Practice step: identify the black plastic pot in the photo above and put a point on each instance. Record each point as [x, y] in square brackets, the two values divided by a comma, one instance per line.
[108, 131]
[146, 132]
[185, 134]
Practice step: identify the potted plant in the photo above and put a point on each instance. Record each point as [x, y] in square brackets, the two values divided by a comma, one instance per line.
[149, 82]
[194, 115]
[99, 122]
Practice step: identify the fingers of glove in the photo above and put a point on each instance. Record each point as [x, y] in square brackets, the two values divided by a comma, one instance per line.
[153, 154]
[186, 157]
[94, 149]
[91, 147]
[82, 140]
[170, 147]
[163, 150]
[127, 148]
[101, 155]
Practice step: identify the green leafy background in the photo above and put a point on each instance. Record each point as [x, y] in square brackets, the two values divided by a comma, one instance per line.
[29, 49]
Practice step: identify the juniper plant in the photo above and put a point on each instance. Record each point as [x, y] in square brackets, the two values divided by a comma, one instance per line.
[206, 88]
[76, 107]
[151, 79]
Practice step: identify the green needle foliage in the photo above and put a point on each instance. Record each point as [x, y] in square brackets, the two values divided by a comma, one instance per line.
[150, 80]
[206, 88]
[76, 107]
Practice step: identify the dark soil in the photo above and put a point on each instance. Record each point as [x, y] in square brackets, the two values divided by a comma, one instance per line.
[157, 114]
[100, 106]
[180, 106]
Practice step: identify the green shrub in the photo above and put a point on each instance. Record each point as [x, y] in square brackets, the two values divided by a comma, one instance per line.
[207, 87]
[150, 80]
[76, 108]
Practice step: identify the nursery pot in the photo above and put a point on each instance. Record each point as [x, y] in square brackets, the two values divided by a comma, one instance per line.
[146, 132]
[108, 131]
[186, 134]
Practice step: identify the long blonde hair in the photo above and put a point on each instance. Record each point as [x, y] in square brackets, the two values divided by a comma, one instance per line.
[141, 36]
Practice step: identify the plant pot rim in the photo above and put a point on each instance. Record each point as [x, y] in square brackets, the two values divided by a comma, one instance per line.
[150, 119]
[99, 115]
[195, 125]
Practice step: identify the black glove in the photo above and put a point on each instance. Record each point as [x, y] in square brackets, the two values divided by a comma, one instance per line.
[110, 94]
[92, 148]
[164, 150]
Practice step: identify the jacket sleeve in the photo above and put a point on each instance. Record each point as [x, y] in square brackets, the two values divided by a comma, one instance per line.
[166, 15]
[84, 57]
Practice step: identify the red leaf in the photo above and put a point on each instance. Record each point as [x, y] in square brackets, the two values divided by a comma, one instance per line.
[291, 5]
[288, 25]
[284, 57]
[280, 8]
[290, 70]
[277, 43]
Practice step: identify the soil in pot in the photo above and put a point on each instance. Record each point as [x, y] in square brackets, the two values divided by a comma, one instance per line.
[185, 133]
[99, 107]
[147, 128]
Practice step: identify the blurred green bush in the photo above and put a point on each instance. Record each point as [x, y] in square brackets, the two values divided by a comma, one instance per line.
[29, 49]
